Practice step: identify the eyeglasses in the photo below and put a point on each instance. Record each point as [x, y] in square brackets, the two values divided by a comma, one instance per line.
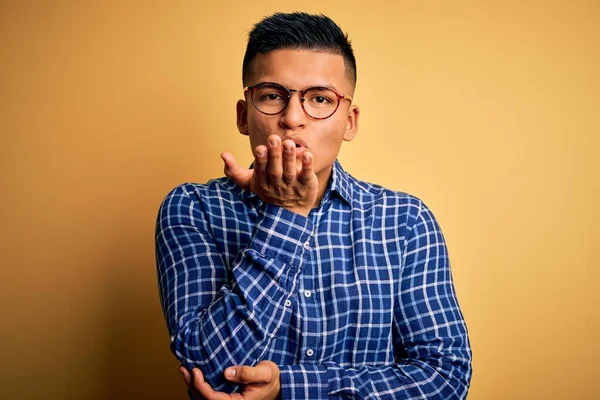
[317, 102]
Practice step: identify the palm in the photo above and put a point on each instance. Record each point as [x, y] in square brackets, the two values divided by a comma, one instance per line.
[281, 178]
[260, 382]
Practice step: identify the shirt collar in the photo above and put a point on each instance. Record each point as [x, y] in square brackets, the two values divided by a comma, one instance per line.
[339, 183]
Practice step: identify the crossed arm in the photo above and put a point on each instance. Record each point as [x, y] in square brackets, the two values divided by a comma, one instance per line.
[234, 322]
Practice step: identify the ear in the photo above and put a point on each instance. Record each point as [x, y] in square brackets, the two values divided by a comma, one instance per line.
[241, 109]
[352, 123]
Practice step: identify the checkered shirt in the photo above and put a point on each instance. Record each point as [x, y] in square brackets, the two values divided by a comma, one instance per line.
[355, 301]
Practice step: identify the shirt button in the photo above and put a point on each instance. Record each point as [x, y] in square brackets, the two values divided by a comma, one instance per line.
[310, 352]
[307, 293]
[288, 303]
[307, 245]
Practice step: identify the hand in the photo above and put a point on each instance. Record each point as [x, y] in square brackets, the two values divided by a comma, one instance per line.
[278, 178]
[262, 383]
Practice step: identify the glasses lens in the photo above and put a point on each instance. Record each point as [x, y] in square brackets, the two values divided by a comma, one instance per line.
[320, 102]
[270, 98]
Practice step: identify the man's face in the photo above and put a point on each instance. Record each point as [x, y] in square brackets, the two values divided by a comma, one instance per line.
[300, 70]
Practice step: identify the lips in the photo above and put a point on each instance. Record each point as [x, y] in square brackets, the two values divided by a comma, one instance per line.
[299, 142]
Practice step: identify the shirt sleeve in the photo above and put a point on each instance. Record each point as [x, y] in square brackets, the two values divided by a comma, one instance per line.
[433, 352]
[220, 315]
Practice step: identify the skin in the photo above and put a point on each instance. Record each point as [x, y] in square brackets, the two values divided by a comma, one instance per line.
[284, 174]
[261, 382]
[284, 178]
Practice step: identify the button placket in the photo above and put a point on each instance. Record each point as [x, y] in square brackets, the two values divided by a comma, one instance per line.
[310, 341]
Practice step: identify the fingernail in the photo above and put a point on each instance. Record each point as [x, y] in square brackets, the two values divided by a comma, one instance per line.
[306, 157]
[288, 147]
[260, 153]
[230, 372]
[273, 142]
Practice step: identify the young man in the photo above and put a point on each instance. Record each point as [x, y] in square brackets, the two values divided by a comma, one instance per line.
[293, 279]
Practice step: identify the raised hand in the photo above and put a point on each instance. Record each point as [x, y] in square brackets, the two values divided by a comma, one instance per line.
[280, 176]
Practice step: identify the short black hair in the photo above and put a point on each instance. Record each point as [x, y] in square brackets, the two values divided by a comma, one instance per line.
[298, 30]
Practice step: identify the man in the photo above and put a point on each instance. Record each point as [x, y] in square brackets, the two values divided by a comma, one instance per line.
[293, 279]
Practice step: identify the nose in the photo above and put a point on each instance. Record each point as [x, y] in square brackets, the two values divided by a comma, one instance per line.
[293, 115]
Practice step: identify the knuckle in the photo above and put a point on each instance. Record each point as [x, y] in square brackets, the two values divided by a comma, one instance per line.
[289, 176]
[274, 175]
[244, 373]
[304, 178]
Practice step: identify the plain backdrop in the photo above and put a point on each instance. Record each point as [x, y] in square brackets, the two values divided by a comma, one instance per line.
[486, 110]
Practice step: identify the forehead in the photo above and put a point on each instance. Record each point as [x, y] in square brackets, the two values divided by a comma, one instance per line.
[300, 69]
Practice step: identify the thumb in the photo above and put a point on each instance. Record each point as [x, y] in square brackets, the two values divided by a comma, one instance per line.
[261, 374]
[241, 176]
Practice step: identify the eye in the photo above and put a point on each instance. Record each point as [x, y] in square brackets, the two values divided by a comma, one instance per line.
[321, 98]
[272, 96]
[269, 94]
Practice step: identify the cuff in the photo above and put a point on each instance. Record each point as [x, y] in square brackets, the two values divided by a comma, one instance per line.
[282, 234]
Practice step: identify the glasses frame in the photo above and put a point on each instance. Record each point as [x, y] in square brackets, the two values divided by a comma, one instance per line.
[252, 89]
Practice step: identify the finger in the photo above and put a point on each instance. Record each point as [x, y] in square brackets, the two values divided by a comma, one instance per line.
[202, 389]
[192, 382]
[274, 167]
[261, 374]
[289, 162]
[231, 164]
[197, 375]
[307, 173]
[186, 376]
[261, 160]
[298, 164]
[241, 176]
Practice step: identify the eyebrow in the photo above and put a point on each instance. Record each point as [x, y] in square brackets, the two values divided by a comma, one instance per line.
[326, 86]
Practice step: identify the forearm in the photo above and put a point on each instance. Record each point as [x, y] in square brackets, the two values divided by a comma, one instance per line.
[220, 315]
[239, 324]
[408, 380]
[431, 347]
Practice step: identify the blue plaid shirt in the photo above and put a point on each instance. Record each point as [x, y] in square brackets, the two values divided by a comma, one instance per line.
[354, 301]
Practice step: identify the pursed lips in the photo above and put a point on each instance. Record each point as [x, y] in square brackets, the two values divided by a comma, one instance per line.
[300, 144]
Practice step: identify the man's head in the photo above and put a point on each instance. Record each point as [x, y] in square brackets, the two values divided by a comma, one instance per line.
[298, 31]
[288, 56]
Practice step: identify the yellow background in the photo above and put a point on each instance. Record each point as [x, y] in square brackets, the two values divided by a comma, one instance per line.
[488, 111]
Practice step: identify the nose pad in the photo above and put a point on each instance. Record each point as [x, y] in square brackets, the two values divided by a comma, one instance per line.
[293, 103]
[293, 114]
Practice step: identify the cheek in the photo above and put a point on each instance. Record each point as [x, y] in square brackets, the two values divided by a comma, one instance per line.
[258, 130]
[335, 132]
[336, 138]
